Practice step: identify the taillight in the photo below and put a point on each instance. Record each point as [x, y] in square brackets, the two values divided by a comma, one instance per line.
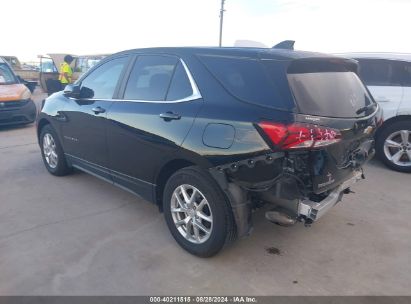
[379, 121]
[300, 135]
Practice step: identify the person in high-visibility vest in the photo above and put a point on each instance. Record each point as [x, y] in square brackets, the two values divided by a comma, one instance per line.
[65, 71]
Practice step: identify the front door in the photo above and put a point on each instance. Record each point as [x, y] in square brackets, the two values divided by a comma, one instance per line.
[84, 126]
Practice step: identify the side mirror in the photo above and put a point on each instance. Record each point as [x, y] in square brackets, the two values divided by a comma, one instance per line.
[72, 91]
[86, 93]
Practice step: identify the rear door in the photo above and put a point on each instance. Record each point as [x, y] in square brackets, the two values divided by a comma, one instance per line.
[148, 125]
[384, 80]
[405, 106]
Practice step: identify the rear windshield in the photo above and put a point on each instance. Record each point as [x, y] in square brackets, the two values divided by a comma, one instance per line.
[332, 94]
[248, 80]
[6, 76]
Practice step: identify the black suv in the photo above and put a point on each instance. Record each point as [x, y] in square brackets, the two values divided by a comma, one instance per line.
[209, 134]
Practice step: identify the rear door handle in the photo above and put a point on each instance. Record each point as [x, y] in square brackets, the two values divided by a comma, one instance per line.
[167, 116]
[382, 99]
[98, 110]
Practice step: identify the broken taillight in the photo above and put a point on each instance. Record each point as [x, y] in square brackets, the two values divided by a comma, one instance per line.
[300, 135]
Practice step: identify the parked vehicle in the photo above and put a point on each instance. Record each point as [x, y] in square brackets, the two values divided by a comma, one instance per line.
[388, 77]
[50, 64]
[209, 134]
[27, 75]
[16, 106]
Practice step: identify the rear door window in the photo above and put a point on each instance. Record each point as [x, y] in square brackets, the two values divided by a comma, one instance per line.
[150, 78]
[380, 72]
[406, 78]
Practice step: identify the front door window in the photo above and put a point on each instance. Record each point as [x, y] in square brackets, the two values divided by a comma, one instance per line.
[102, 82]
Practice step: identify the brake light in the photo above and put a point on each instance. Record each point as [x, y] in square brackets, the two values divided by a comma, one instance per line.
[300, 135]
[379, 121]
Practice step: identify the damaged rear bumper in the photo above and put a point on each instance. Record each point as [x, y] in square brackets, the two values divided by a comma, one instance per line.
[311, 211]
[290, 194]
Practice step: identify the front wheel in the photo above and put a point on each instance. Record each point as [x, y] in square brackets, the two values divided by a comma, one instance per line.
[394, 146]
[52, 152]
[197, 212]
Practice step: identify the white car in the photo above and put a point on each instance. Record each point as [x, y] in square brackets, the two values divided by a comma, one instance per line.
[388, 77]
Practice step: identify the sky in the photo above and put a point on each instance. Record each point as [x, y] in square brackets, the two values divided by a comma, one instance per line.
[30, 28]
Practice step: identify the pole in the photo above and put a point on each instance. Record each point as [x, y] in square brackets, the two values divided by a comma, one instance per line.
[221, 22]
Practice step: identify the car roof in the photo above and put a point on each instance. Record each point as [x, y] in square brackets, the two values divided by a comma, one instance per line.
[377, 55]
[269, 53]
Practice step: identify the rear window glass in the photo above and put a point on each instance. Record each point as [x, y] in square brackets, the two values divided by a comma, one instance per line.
[248, 80]
[332, 94]
[6, 76]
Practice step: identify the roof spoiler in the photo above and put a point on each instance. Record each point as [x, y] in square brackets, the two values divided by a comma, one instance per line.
[285, 45]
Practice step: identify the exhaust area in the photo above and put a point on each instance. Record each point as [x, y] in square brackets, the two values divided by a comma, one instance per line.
[280, 218]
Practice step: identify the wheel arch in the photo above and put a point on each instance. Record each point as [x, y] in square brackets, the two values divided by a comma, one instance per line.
[390, 121]
[164, 174]
[40, 125]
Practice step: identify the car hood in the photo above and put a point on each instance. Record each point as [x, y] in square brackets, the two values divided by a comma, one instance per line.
[12, 92]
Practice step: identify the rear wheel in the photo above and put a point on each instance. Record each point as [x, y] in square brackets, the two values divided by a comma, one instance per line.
[394, 146]
[52, 152]
[197, 212]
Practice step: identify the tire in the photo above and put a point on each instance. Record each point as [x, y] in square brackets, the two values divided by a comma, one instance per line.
[59, 166]
[386, 150]
[216, 208]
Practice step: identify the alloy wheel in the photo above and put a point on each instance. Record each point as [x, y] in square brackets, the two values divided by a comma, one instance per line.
[397, 148]
[50, 150]
[191, 214]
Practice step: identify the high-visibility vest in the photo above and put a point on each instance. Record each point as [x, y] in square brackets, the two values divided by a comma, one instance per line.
[65, 68]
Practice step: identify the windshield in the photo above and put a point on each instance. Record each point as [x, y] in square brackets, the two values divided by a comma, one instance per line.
[6, 75]
[332, 94]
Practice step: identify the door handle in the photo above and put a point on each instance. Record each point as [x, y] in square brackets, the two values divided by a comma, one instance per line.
[98, 110]
[60, 116]
[167, 116]
[382, 99]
